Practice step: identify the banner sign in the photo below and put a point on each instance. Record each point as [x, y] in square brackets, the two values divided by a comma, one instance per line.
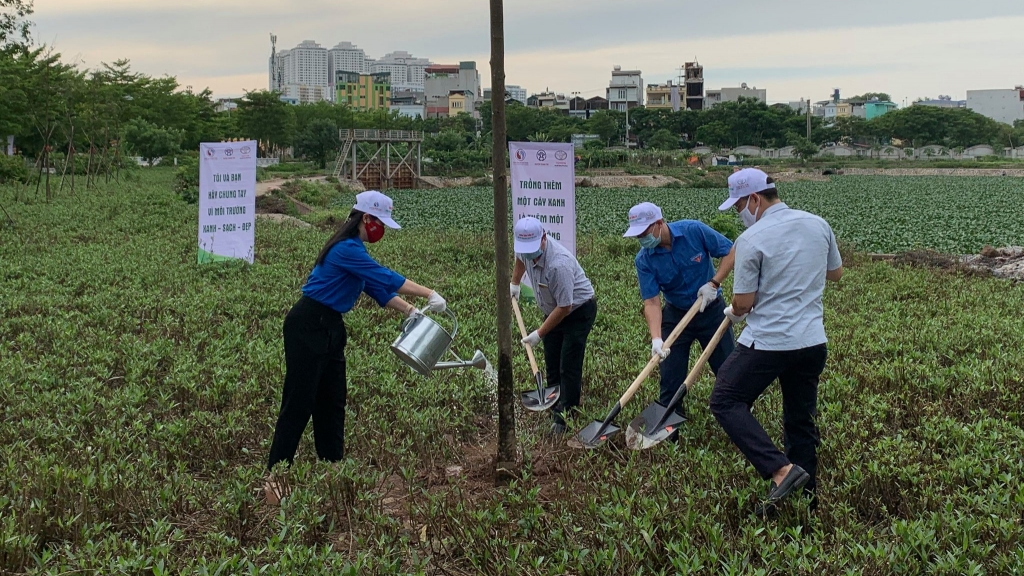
[227, 201]
[543, 176]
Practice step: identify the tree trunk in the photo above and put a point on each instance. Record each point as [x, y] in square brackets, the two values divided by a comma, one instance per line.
[103, 157]
[67, 158]
[46, 164]
[88, 167]
[506, 457]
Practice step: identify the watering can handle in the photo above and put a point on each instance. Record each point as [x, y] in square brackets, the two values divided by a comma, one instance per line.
[448, 311]
[455, 321]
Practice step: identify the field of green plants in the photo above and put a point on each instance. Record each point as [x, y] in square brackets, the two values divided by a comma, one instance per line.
[138, 393]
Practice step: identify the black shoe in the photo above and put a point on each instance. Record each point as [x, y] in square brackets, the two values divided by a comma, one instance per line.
[794, 480]
[557, 429]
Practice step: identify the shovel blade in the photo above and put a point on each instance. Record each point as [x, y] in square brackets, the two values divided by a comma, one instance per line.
[594, 435]
[652, 427]
[536, 402]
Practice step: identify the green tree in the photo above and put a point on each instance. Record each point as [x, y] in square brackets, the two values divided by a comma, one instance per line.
[263, 117]
[867, 96]
[151, 141]
[14, 24]
[319, 141]
[803, 148]
[446, 141]
[715, 133]
[664, 139]
[606, 125]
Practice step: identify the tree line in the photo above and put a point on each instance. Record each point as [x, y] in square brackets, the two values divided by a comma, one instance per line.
[87, 121]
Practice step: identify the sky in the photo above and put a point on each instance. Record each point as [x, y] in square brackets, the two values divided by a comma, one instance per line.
[794, 49]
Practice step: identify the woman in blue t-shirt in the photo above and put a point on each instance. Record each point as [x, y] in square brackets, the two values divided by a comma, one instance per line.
[314, 331]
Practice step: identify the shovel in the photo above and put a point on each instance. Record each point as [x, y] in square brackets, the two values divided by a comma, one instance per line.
[542, 398]
[657, 423]
[597, 432]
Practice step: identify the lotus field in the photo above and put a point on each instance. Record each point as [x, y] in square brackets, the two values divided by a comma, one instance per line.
[138, 394]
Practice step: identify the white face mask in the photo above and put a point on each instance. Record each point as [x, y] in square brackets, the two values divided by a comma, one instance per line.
[748, 218]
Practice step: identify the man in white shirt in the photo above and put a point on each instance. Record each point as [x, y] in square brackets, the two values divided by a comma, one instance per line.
[782, 262]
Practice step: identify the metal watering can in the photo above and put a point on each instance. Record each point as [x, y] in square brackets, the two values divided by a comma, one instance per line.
[423, 342]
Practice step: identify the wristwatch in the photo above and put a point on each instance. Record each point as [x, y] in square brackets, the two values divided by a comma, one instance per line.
[716, 283]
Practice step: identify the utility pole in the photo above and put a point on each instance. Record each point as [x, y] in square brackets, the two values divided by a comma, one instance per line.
[505, 461]
[273, 61]
[808, 118]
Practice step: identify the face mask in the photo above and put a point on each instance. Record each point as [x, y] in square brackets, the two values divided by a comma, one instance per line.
[746, 216]
[374, 231]
[533, 255]
[650, 240]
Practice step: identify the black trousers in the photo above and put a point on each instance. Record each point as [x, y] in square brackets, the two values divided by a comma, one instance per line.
[314, 383]
[702, 329]
[564, 348]
[744, 377]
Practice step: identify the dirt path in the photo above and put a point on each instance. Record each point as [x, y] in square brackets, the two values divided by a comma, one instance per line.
[267, 185]
[933, 172]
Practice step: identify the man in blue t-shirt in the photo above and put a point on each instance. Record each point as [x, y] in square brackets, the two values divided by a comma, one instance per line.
[675, 261]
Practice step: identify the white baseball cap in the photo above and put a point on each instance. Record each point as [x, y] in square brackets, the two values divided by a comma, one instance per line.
[376, 204]
[641, 217]
[528, 235]
[744, 183]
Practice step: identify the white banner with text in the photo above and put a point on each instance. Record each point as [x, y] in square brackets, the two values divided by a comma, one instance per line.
[543, 179]
[227, 201]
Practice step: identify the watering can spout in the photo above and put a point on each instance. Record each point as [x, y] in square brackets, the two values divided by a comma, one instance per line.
[478, 361]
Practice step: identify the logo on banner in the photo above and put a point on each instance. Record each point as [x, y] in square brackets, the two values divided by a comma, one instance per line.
[228, 151]
[520, 155]
[542, 155]
[561, 155]
[209, 152]
[246, 149]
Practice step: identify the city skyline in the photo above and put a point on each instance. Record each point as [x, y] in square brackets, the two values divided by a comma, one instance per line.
[919, 51]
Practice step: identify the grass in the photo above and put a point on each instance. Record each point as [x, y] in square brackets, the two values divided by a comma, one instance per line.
[139, 393]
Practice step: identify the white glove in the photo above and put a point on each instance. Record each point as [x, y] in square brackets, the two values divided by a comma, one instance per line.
[708, 294]
[533, 339]
[514, 290]
[734, 318]
[435, 303]
[657, 350]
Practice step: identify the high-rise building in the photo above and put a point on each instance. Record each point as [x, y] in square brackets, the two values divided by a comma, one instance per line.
[626, 89]
[301, 72]
[306, 65]
[345, 57]
[309, 66]
[407, 72]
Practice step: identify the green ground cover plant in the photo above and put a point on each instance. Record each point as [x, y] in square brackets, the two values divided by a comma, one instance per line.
[138, 393]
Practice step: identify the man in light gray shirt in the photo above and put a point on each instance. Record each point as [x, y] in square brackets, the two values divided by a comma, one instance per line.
[782, 262]
[566, 297]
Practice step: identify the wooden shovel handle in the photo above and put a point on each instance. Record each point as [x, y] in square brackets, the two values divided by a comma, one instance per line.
[522, 330]
[708, 350]
[655, 359]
